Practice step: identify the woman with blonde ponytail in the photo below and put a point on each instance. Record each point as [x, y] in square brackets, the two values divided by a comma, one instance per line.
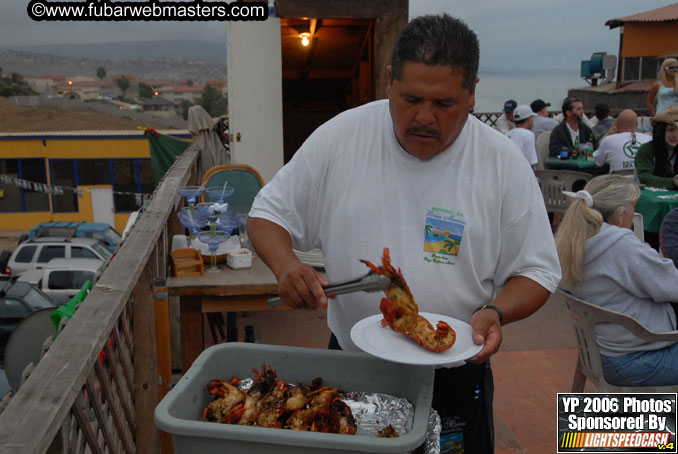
[603, 262]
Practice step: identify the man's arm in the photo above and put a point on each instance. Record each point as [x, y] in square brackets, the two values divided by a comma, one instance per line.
[557, 142]
[299, 285]
[520, 297]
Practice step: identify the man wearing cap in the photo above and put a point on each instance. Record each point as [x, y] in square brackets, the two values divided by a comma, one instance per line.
[542, 122]
[505, 122]
[521, 134]
[571, 130]
[620, 149]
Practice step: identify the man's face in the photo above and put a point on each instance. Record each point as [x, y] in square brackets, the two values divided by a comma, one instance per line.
[577, 110]
[509, 115]
[429, 107]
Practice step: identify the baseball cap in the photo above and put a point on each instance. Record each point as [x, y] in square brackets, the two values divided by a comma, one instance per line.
[538, 104]
[510, 105]
[668, 116]
[523, 112]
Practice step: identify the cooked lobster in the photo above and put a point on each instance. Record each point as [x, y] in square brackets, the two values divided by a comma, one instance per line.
[272, 403]
[401, 312]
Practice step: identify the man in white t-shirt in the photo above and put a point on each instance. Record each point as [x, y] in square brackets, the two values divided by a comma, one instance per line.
[505, 121]
[620, 149]
[452, 198]
[522, 135]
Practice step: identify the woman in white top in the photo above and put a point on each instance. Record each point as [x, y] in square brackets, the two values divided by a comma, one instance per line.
[664, 90]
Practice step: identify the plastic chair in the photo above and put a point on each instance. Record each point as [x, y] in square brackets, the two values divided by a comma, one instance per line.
[624, 172]
[554, 182]
[245, 179]
[638, 226]
[542, 145]
[584, 317]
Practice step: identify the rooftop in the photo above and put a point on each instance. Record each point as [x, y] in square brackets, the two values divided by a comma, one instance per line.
[664, 14]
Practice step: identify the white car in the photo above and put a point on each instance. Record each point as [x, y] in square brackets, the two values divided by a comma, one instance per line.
[36, 253]
[62, 279]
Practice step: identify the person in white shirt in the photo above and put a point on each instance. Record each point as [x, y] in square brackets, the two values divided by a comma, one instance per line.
[619, 150]
[543, 121]
[505, 121]
[452, 198]
[521, 134]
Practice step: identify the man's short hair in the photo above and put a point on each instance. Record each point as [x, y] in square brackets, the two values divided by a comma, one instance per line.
[602, 111]
[567, 103]
[439, 40]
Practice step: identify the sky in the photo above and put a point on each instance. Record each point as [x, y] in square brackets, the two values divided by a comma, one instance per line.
[519, 35]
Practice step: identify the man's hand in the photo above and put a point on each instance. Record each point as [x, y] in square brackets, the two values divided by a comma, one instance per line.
[301, 286]
[487, 330]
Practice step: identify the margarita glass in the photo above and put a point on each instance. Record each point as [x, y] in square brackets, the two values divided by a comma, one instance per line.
[193, 219]
[191, 193]
[213, 240]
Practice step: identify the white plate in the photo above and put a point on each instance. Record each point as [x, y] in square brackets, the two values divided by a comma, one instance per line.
[381, 341]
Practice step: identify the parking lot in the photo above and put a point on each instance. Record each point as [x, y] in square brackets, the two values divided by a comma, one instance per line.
[9, 238]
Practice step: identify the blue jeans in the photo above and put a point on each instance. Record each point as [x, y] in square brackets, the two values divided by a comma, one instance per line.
[651, 368]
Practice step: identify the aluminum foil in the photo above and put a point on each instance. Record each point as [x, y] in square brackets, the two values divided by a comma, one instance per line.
[374, 411]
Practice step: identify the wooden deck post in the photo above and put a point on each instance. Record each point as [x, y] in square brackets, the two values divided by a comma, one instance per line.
[146, 366]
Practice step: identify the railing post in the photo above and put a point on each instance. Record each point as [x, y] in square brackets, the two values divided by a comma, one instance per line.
[146, 366]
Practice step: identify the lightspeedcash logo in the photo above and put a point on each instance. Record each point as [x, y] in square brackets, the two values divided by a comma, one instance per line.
[151, 10]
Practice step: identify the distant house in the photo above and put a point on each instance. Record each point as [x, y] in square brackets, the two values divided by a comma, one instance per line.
[645, 40]
[179, 93]
[159, 107]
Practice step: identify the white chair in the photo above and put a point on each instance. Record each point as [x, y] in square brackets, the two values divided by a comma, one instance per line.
[584, 317]
[552, 184]
[542, 146]
[638, 226]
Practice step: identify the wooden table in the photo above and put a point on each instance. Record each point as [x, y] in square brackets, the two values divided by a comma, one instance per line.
[653, 206]
[228, 291]
[579, 165]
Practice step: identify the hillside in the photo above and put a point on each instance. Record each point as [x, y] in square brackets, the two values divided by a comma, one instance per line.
[51, 119]
[29, 63]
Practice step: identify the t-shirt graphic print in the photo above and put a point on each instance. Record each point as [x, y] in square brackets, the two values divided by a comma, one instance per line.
[443, 231]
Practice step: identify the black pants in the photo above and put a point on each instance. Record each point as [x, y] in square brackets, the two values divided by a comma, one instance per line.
[462, 396]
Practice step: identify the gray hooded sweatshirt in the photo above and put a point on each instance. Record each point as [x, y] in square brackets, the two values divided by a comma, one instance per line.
[624, 275]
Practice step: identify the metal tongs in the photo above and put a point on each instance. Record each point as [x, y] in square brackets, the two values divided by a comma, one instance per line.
[371, 282]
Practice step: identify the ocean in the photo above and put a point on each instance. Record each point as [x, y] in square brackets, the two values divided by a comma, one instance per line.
[494, 89]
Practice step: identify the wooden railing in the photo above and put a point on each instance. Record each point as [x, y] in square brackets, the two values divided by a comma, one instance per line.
[96, 388]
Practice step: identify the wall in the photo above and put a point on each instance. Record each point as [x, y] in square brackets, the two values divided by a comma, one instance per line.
[255, 95]
[650, 39]
[63, 146]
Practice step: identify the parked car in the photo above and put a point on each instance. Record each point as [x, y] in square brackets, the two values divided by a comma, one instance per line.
[62, 279]
[36, 253]
[18, 300]
[97, 230]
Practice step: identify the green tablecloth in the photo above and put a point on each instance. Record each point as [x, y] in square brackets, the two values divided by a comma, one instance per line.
[581, 165]
[653, 207]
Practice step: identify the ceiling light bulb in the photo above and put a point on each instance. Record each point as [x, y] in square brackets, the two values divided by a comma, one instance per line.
[305, 38]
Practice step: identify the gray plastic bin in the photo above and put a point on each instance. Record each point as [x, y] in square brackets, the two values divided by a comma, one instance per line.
[180, 412]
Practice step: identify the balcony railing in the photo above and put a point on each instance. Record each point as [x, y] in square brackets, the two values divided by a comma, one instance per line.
[96, 388]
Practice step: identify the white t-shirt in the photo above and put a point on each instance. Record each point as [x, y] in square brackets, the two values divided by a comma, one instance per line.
[458, 225]
[620, 150]
[524, 138]
[504, 124]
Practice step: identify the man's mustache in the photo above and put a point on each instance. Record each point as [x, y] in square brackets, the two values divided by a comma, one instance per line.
[423, 130]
